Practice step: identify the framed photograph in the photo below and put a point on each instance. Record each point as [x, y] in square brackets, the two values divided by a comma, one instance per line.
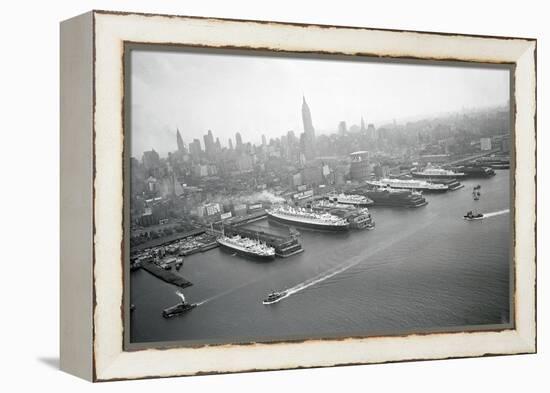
[247, 195]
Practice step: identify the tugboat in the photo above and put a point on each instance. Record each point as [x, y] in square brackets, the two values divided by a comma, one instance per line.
[471, 216]
[274, 297]
[178, 309]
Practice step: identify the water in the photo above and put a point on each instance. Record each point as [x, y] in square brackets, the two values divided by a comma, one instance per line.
[424, 268]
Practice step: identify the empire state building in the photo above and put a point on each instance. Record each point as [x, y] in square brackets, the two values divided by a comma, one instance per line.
[309, 132]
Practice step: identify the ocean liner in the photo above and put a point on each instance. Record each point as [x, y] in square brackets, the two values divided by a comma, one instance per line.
[497, 162]
[358, 217]
[418, 185]
[247, 247]
[351, 199]
[385, 196]
[475, 171]
[307, 218]
[437, 173]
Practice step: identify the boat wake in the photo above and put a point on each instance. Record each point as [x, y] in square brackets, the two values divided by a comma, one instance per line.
[230, 290]
[497, 213]
[327, 274]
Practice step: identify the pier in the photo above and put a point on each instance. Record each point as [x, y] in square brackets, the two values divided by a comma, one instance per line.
[471, 158]
[167, 239]
[166, 275]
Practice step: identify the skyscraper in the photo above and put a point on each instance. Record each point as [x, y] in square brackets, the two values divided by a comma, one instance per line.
[195, 150]
[264, 140]
[238, 141]
[309, 132]
[150, 160]
[181, 145]
[230, 144]
[209, 147]
[371, 132]
[342, 127]
[363, 129]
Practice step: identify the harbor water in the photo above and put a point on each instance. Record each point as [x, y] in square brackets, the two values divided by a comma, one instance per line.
[423, 269]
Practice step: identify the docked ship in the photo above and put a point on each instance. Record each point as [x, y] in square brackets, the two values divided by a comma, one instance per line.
[247, 247]
[351, 199]
[412, 184]
[358, 217]
[476, 171]
[495, 162]
[178, 309]
[391, 197]
[437, 173]
[307, 218]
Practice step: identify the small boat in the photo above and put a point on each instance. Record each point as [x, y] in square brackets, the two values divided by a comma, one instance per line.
[274, 297]
[476, 193]
[178, 309]
[469, 216]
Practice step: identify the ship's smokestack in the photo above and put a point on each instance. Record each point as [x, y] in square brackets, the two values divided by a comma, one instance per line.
[180, 294]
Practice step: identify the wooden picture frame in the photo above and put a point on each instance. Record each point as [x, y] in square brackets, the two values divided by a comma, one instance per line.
[94, 250]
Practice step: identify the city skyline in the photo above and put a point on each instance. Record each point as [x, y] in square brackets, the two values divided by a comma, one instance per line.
[257, 95]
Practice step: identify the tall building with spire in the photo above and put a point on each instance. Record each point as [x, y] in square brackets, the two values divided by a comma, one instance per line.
[363, 129]
[309, 131]
[181, 145]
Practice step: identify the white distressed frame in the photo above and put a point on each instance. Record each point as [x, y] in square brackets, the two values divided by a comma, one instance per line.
[112, 29]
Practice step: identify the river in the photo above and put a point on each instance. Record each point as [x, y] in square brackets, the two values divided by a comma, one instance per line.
[423, 269]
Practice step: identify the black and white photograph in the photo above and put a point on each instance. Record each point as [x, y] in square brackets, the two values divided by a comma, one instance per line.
[280, 197]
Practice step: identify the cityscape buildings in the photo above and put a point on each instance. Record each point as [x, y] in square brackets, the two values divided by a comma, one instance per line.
[204, 182]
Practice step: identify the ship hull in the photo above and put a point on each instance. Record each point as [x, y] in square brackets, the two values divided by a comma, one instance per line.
[308, 225]
[178, 309]
[420, 175]
[268, 302]
[478, 172]
[246, 253]
[363, 204]
[423, 189]
[385, 199]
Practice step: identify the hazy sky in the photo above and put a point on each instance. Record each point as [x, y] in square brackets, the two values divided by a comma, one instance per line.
[258, 95]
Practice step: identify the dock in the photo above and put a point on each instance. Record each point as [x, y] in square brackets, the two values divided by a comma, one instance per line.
[166, 275]
[168, 239]
[248, 218]
[470, 158]
[452, 184]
